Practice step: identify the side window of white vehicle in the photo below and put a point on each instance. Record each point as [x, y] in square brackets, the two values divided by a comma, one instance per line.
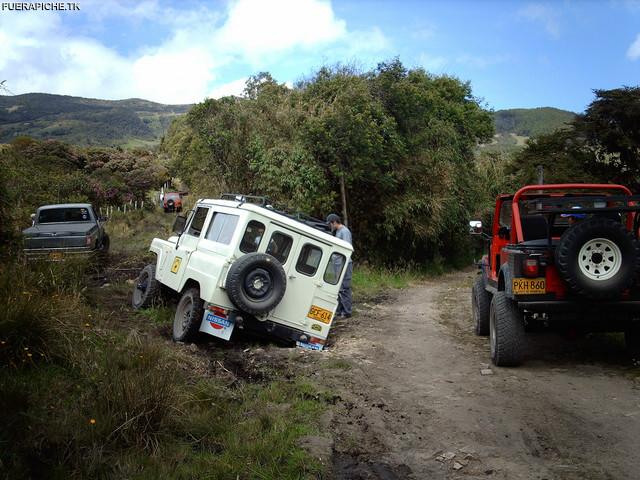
[252, 237]
[334, 268]
[222, 228]
[309, 260]
[280, 246]
[195, 228]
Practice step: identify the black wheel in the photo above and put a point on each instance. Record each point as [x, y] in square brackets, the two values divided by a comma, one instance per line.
[189, 313]
[146, 288]
[598, 258]
[506, 332]
[106, 243]
[166, 210]
[480, 306]
[256, 283]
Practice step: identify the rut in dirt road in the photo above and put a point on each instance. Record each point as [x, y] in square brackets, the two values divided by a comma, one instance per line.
[415, 404]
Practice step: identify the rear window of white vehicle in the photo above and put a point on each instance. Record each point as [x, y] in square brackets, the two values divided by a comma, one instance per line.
[222, 228]
[309, 259]
[334, 268]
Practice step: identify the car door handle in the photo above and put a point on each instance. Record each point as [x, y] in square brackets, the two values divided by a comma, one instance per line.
[292, 277]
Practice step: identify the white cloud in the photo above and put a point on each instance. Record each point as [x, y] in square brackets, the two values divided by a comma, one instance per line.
[432, 63]
[255, 27]
[543, 14]
[235, 88]
[41, 53]
[633, 53]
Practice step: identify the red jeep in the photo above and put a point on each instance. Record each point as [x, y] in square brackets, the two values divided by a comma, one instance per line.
[172, 201]
[563, 255]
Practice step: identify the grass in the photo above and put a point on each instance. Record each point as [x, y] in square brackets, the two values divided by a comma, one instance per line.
[82, 399]
[131, 233]
[371, 282]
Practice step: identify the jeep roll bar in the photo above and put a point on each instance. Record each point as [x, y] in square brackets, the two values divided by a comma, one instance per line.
[627, 198]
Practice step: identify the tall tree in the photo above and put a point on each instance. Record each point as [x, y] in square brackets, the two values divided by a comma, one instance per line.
[611, 128]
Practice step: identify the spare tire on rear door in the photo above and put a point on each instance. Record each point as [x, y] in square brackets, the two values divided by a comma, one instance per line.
[256, 283]
[598, 258]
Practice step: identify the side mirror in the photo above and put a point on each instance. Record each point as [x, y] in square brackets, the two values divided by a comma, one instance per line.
[179, 224]
[475, 227]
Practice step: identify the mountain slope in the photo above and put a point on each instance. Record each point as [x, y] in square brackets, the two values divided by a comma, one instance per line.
[530, 122]
[85, 121]
[514, 126]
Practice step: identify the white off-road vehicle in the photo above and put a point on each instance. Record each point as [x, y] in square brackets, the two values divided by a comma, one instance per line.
[238, 262]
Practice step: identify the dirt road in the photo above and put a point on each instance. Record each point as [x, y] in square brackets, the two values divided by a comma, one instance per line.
[414, 404]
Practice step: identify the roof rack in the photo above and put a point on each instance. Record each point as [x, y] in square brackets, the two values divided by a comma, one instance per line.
[264, 202]
[239, 197]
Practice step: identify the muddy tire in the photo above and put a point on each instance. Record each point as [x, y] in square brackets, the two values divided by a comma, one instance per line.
[106, 243]
[146, 289]
[598, 258]
[189, 313]
[506, 332]
[256, 283]
[480, 306]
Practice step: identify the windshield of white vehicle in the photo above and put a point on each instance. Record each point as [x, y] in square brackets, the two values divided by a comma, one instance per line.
[62, 215]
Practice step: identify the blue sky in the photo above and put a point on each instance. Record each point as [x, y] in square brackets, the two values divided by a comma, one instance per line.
[514, 53]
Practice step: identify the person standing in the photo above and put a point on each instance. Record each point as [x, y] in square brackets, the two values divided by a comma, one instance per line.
[344, 295]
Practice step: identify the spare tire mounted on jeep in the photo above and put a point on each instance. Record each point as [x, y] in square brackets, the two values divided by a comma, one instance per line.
[598, 258]
[256, 283]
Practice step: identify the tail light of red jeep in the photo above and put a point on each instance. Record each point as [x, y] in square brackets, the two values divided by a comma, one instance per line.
[531, 267]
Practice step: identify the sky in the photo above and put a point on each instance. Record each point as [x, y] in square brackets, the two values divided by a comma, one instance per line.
[515, 54]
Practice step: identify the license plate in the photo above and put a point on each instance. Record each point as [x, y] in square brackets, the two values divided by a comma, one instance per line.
[529, 286]
[320, 314]
[56, 255]
[216, 325]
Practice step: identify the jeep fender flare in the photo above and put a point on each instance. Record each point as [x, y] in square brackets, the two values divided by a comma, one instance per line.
[505, 283]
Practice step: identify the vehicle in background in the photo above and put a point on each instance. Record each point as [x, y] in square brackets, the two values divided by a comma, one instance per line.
[63, 230]
[564, 256]
[172, 201]
[238, 262]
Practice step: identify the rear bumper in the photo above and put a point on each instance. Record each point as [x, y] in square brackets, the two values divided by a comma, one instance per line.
[57, 253]
[568, 306]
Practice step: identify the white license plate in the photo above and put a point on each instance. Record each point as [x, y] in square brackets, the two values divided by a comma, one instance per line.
[217, 326]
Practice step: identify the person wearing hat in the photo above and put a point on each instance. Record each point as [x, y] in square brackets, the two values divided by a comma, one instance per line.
[344, 295]
[574, 217]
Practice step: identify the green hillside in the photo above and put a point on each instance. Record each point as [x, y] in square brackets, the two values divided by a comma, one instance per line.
[530, 122]
[86, 121]
[514, 126]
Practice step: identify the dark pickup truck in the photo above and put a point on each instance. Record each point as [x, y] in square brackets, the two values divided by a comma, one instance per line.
[64, 230]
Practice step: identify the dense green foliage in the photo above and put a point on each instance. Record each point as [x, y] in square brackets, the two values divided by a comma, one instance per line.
[531, 122]
[601, 145]
[391, 149]
[34, 172]
[84, 121]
